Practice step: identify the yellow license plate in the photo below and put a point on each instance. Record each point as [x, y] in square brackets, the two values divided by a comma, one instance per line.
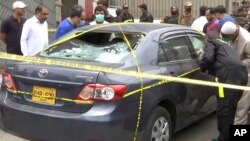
[44, 95]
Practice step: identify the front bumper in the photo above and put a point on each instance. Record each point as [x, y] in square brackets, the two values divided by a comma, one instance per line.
[41, 124]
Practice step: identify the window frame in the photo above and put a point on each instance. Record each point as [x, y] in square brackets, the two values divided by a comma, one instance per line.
[193, 34]
[178, 34]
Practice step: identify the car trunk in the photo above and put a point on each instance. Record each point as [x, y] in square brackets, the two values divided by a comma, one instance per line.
[50, 81]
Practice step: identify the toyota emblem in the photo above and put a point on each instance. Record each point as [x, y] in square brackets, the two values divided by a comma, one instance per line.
[42, 73]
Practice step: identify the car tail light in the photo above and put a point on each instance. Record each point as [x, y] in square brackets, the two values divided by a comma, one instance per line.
[8, 82]
[1, 80]
[102, 92]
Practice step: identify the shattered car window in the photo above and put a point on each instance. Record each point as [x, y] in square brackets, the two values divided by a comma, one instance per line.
[100, 47]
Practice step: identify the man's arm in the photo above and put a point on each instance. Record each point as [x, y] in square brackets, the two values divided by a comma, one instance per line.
[4, 30]
[246, 60]
[24, 38]
[208, 57]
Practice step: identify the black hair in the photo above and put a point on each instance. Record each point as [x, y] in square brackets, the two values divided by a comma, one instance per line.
[220, 9]
[76, 11]
[203, 10]
[211, 10]
[118, 11]
[99, 8]
[39, 8]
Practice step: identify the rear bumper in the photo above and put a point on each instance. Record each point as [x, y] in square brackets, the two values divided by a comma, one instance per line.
[40, 124]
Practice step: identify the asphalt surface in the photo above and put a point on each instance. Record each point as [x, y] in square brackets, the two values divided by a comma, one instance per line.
[203, 130]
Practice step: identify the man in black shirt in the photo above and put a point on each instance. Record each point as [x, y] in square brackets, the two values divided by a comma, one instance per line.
[223, 62]
[11, 29]
[173, 19]
[146, 16]
[126, 16]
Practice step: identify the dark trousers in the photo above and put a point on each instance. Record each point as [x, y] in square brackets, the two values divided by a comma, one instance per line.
[227, 105]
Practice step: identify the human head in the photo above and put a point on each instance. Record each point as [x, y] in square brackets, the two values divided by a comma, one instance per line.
[76, 14]
[19, 8]
[210, 14]
[188, 6]
[245, 3]
[105, 4]
[229, 31]
[220, 11]
[203, 10]
[118, 11]
[174, 10]
[125, 8]
[99, 14]
[242, 11]
[143, 7]
[42, 13]
[83, 15]
[99, 3]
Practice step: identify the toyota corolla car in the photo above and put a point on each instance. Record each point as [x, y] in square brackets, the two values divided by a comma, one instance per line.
[63, 103]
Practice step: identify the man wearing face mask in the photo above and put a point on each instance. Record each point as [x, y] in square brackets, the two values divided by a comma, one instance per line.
[35, 32]
[239, 38]
[187, 18]
[83, 21]
[173, 19]
[99, 16]
[11, 28]
[71, 22]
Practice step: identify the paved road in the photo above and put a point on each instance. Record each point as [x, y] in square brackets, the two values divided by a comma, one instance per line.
[204, 130]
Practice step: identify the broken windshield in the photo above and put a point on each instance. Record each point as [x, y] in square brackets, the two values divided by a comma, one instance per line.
[100, 47]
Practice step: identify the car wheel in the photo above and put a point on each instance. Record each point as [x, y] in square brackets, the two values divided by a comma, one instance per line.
[159, 126]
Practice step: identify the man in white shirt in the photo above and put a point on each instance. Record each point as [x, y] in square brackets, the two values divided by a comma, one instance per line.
[238, 37]
[35, 32]
[199, 23]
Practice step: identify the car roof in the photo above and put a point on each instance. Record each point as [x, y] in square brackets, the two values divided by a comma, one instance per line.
[132, 27]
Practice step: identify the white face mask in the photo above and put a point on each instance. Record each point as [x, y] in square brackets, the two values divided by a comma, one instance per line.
[99, 18]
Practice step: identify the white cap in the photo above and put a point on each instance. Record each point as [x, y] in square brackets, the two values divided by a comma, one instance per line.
[19, 4]
[228, 28]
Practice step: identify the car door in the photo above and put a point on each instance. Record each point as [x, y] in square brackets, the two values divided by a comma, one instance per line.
[207, 98]
[181, 58]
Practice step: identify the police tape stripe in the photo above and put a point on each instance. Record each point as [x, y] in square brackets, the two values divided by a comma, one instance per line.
[91, 102]
[141, 82]
[158, 83]
[118, 71]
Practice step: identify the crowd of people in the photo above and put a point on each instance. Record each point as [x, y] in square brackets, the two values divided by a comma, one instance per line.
[228, 61]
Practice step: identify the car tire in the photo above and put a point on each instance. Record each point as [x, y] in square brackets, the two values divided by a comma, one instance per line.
[159, 120]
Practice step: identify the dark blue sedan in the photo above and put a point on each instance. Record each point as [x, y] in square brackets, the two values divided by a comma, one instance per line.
[59, 103]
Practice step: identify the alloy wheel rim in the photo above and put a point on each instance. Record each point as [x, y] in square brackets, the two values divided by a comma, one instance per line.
[160, 130]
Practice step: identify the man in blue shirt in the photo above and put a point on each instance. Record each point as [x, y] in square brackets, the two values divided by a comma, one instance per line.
[71, 22]
[221, 14]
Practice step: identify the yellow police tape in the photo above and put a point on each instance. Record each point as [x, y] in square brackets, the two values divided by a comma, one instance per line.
[141, 82]
[117, 71]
